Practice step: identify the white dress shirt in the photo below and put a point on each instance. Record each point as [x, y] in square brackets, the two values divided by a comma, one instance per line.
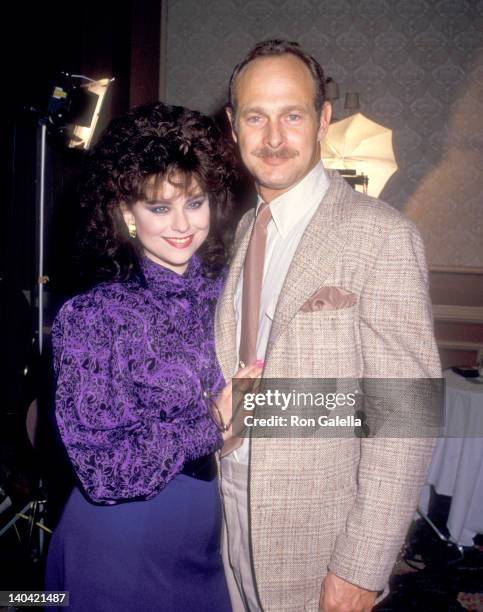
[291, 213]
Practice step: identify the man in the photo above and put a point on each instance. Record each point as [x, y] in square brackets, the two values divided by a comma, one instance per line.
[316, 524]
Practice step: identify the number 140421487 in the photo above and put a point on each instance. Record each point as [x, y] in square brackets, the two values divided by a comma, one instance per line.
[34, 598]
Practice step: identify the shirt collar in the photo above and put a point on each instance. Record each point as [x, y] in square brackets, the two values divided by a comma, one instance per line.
[289, 208]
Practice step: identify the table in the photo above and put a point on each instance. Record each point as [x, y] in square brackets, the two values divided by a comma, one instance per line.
[457, 464]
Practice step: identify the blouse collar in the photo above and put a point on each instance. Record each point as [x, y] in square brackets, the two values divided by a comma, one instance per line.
[164, 282]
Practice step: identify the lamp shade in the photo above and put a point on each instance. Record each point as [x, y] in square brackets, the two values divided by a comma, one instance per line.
[352, 101]
[332, 90]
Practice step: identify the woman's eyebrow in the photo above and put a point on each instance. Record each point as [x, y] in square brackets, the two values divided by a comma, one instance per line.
[190, 196]
[157, 201]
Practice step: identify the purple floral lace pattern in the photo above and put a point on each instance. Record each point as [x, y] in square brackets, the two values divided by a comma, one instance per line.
[131, 361]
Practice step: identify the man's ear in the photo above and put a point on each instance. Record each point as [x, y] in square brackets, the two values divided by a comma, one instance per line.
[325, 116]
[231, 119]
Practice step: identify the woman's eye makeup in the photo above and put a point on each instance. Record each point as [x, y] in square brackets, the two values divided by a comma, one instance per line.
[162, 209]
[194, 204]
[159, 209]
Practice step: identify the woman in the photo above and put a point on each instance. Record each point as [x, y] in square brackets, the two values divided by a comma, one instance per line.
[135, 360]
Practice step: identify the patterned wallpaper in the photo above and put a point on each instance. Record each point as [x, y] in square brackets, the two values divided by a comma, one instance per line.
[417, 65]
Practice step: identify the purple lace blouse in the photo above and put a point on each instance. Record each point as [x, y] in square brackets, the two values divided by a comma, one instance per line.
[132, 360]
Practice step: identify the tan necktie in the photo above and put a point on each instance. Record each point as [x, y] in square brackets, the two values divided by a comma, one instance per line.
[252, 285]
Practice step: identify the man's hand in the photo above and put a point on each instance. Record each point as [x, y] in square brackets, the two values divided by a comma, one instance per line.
[338, 595]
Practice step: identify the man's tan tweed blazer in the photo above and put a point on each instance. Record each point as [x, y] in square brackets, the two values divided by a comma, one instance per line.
[342, 504]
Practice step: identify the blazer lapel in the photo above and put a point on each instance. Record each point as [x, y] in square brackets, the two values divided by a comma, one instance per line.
[225, 319]
[320, 246]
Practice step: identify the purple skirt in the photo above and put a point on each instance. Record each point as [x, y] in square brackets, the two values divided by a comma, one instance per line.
[157, 555]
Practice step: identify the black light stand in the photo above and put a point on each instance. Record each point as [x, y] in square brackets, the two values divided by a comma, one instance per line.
[68, 123]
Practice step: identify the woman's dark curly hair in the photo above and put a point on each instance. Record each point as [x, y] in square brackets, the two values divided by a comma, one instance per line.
[161, 142]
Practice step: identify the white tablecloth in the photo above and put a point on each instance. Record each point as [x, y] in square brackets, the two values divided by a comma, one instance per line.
[457, 465]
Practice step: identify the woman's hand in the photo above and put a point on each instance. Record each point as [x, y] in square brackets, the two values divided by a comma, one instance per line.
[231, 411]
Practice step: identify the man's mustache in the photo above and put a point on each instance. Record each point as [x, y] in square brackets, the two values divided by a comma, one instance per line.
[285, 153]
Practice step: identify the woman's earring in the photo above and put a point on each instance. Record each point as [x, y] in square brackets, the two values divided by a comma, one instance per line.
[131, 228]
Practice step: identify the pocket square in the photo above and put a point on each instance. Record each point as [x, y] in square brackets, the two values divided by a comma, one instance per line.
[329, 298]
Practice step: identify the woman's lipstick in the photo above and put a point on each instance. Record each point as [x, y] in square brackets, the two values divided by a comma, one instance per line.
[180, 243]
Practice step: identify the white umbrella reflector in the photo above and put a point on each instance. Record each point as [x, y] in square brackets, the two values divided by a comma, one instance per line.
[357, 143]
